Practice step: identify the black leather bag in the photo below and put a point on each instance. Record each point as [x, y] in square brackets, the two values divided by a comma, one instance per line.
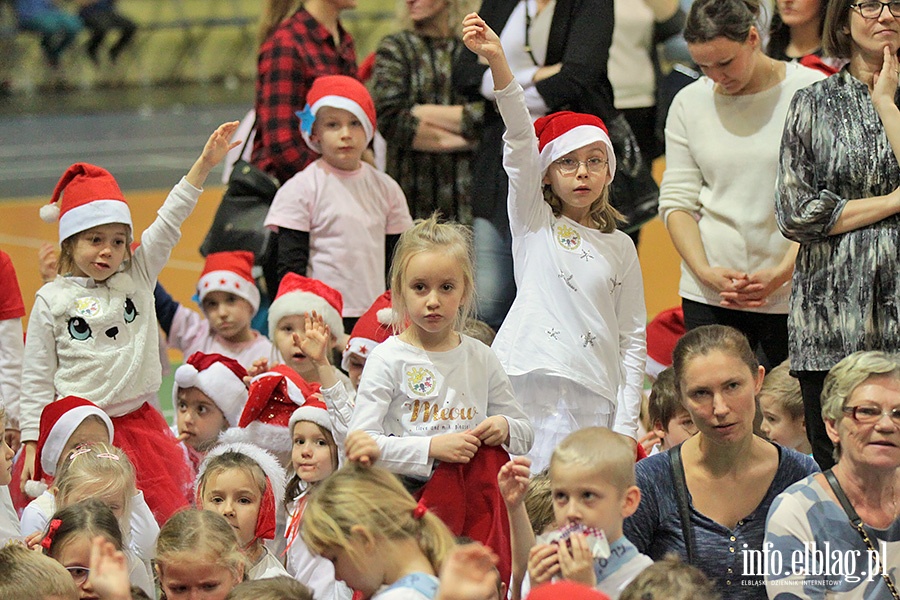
[238, 224]
[633, 192]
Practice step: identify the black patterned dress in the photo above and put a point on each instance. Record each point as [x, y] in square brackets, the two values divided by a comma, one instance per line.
[845, 287]
[411, 69]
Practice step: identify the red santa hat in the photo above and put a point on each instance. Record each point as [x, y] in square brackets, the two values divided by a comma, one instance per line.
[372, 328]
[219, 377]
[273, 398]
[565, 589]
[229, 272]
[566, 131]
[59, 420]
[275, 482]
[314, 411]
[663, 332]
[298, 295]
[337, 91]
[90, 197]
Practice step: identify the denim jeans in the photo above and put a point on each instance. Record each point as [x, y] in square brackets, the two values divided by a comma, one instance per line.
[494, 284]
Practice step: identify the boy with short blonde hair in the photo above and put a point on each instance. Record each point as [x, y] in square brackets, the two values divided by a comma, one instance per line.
[593, 487]
[28, 575]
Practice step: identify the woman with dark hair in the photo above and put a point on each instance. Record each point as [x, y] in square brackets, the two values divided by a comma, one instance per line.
[713, 491]
[717, 193]
[795, 33]
[838, 196]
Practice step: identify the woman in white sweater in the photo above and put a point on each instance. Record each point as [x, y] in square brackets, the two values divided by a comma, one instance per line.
[723, 135]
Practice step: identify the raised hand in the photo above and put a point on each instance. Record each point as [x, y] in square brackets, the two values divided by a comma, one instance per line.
[481, 39]
[217, 146]
[108, 571]
[469, 573]
[316, 340]
[454, 447]
[513, 480]
[543, 563]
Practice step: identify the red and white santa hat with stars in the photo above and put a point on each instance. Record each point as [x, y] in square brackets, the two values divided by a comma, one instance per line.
[372, 328]
[90, 197]
[298, 295]
[229, 272]
[275, 482]
[337, 91]
[220, 377]
[272, 399]
[59, 420]
[563, 132]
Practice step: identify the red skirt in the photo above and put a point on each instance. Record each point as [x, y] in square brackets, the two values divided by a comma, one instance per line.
[158, 462]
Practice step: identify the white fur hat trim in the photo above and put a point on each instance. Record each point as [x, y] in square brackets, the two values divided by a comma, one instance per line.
[218, 382]
[266, 461]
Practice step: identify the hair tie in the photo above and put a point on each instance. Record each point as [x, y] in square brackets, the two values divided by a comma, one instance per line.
[419, 510]
[78, 451]
[51, 531]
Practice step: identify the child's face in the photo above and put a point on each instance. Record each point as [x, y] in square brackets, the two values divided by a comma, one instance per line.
[6, 458]
[197, 580]
[99, 252]
[228, 315]
[433, 290]
[199, 417]
[75, 556]
[88, 431]
[355, 364]
[578, 190]
[311, 455]
[290, 352]
[680, 428]
[341, 137]
[234, 494]
[582, 495]
[780, 427]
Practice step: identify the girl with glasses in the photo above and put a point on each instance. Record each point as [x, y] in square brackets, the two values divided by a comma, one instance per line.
[573, 342]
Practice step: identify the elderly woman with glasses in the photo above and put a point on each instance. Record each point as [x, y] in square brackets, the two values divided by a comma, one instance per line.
[717, 195]
[838, 197]
[847, 516]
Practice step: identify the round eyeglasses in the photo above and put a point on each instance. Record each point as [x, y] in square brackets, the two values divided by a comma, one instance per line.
[867, 414]
[79, 574]
[569, 166]
[873, 10]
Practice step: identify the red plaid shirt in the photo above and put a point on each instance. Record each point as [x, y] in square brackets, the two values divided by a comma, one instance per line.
[300, 50]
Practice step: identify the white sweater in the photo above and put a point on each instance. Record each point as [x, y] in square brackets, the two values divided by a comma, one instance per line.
[721, 161]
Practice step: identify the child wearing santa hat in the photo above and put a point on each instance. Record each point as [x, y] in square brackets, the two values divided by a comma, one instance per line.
[573, 341]
[242, 482]
[209, 395]
[372, 328]
[93, 333]
[229, 298]
[339, 218]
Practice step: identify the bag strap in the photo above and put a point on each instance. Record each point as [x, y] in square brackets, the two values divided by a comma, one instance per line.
[857, 523]
[244, 145]
[684, 506]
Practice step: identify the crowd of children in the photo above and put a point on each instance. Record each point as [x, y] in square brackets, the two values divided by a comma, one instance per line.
[430, 465]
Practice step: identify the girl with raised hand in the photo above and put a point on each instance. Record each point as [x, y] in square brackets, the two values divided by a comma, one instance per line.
[93, 331]
[573, 342]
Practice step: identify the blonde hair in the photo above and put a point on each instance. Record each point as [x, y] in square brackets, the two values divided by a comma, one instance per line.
[600, 449]
[102, 469]
[28, 575]
[375, 499]
[274, 13]
[429, 235]
[539, 502]
[670, 579]
[273, 588]
[65, 263]
[784, 389]
[194, 535]
[605, 216]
